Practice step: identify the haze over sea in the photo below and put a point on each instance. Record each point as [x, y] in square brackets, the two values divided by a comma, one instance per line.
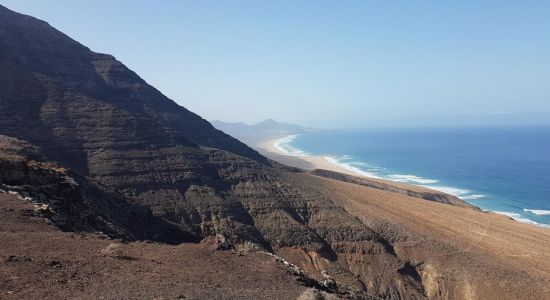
[505, 170]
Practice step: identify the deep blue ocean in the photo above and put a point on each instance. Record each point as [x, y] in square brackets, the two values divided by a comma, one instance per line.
[505, 170]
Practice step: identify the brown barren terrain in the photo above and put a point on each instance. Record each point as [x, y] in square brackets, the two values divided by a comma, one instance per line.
[494, 256]
[38, 261]
[111, 190]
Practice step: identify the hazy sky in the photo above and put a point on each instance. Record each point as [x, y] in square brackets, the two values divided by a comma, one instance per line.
[326, 63]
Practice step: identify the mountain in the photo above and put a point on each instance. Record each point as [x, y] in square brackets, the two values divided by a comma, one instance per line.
[89, 147]
[72, 202]
[271, 125]
[87, 99]
[265, 127]
[254, 134]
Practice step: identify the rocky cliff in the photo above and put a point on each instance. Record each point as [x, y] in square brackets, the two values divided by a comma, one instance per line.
[107, 152]
[80, 103]
[72, 203]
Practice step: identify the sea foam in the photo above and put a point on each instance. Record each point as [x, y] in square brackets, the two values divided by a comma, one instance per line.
[411, 179]
[284, 145]
[360, 167]
[462, 194]
[539, 212]
[449, 190]
[364, 169]
[473, 197]
[350, 167]
[519, 218]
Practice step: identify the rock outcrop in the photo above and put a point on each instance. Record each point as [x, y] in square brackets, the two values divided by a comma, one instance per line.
[72, 203]
[106, 152]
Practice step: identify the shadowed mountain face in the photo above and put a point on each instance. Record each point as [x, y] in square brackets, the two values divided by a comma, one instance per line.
[92, 115]
[73, 203]
[108, 152]
[79, 103]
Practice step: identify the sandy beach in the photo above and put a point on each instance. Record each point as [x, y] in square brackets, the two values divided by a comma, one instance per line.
[482, 234]
[302, 161]
[310, 162]
[268, 147]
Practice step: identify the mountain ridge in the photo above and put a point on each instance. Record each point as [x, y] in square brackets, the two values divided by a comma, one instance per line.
[266, 127]
[254, 135]
[46, 57]
[153, 171]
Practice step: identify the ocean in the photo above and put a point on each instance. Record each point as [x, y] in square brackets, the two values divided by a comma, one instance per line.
[504, 170]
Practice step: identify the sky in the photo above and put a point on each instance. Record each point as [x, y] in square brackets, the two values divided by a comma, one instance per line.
[327, 63]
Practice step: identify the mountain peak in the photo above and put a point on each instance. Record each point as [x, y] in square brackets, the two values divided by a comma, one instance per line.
[89, 146]
[68, 85]
[267, 121]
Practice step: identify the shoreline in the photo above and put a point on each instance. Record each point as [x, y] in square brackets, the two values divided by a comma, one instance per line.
[304, 161]
[310, 162]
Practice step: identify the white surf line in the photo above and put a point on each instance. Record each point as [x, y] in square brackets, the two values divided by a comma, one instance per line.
[538, 212]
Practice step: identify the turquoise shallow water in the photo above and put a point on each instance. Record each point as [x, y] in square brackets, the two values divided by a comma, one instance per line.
[506, 170]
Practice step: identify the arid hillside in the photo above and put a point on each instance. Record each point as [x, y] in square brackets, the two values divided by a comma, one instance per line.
[38, 261]
[91, 155]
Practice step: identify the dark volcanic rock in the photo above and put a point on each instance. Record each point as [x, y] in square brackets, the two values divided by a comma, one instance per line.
[80, 103]
[103, 148]
[94, 116]
[72, 203]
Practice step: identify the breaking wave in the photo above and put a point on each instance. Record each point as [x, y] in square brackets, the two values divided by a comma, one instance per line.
[538, 212]
[519, 218]
[363, 168]
[284, 145]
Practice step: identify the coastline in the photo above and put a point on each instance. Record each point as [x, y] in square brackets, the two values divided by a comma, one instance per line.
[271, 148]
[304, 161]
[309, 162]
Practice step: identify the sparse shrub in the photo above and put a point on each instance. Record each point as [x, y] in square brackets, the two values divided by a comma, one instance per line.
[314, 294]
[112, 250]
[247, 247]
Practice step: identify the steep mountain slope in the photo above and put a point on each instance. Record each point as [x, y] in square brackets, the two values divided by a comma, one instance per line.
[37, 261]
[72, 203]
[458, 253]
[87, 101]
[72, 111]
[95, 117]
